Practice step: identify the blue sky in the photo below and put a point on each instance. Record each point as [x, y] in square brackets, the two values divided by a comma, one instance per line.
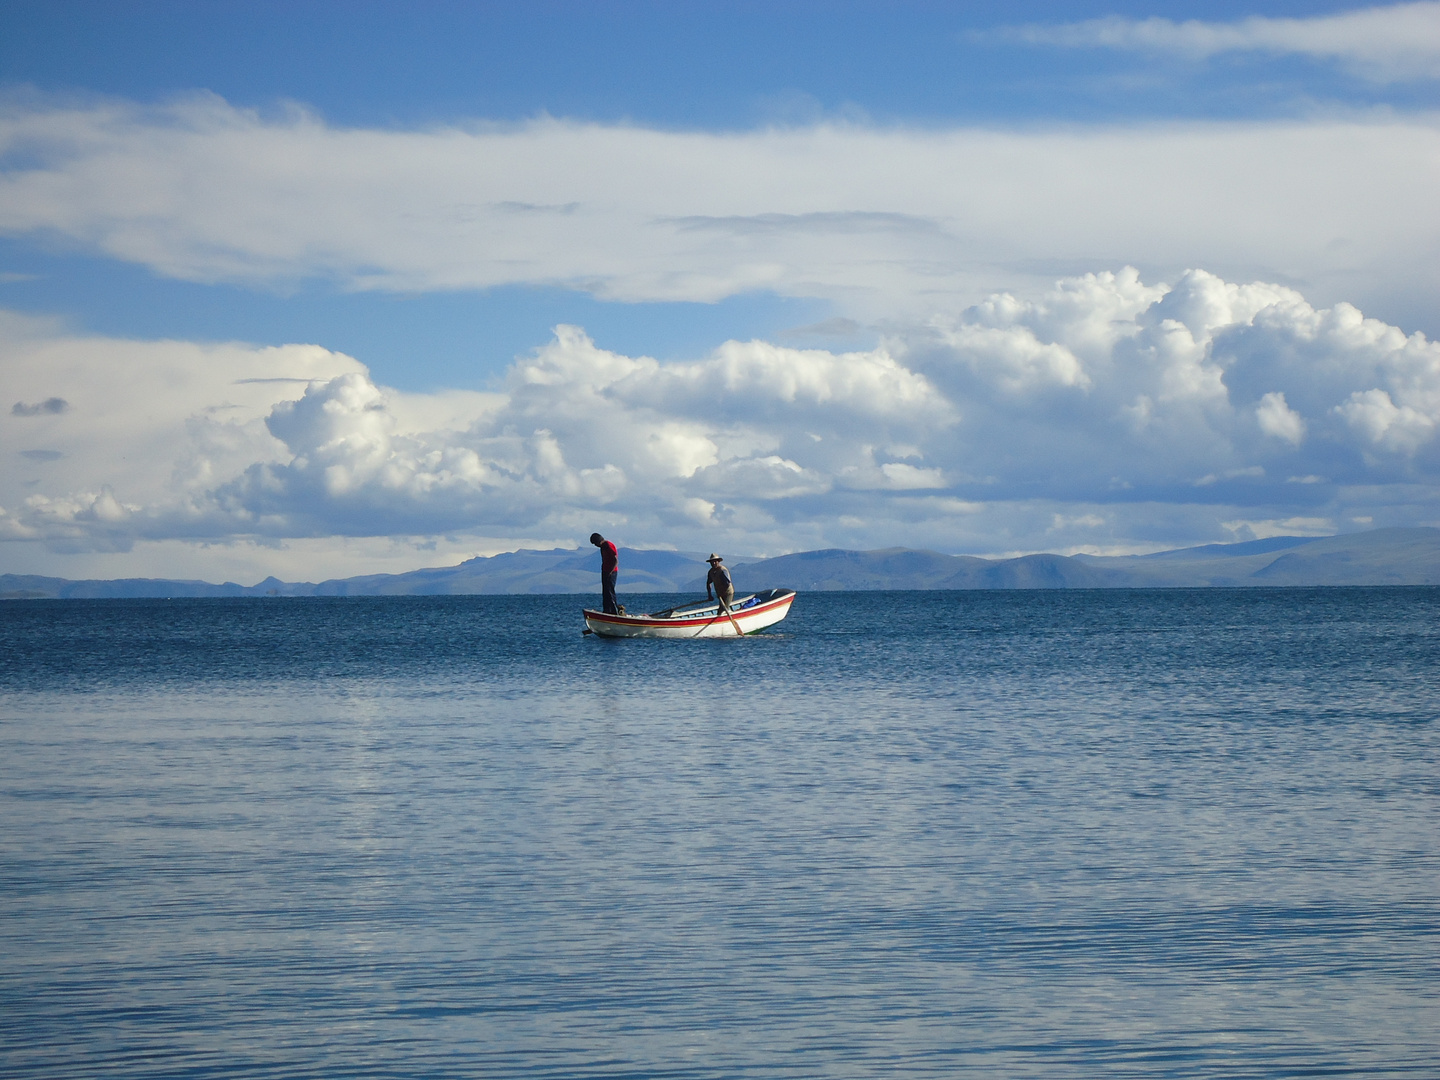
[672, 65]
[683, 65]
[820, 180]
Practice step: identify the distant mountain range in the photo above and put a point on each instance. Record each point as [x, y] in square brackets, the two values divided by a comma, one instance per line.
[1379, 557]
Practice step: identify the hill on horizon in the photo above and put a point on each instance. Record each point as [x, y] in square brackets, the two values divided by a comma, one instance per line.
[1399, 556]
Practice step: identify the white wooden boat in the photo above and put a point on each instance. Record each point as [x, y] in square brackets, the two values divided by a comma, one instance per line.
[747, 615]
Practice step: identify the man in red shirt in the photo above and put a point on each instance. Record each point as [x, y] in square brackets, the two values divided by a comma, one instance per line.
[609, 569]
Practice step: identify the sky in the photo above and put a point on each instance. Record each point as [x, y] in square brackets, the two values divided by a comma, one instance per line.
[321, 289]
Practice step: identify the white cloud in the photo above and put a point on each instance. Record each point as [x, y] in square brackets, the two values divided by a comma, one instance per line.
[890, 476]
[1294, 526]
[1013, 358]
[152, 423]
[891, 224]
[1386, 44]
[1395, 427]
[1087, 521]
[1103, 410]
[1278, 419]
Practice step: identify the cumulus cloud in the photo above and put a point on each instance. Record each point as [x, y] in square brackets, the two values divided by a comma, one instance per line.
[1103, 412]
[584, 429]
[1229, 387]
[884, 223]
[1278, 419]
[1393, 43]
[1396, 427]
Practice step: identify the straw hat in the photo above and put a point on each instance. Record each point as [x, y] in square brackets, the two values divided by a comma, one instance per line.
[714, 558]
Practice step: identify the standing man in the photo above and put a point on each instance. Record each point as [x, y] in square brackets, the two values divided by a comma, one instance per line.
[609, 570]
[719, 580]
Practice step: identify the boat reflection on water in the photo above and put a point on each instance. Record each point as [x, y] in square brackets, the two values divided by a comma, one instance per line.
[747, 615]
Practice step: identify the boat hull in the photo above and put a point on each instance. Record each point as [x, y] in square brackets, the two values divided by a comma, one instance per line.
[750, 615]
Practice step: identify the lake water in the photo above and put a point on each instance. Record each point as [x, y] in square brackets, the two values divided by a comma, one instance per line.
[1188, 833]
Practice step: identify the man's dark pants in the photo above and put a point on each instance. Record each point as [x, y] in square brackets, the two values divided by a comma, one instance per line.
[607, 590]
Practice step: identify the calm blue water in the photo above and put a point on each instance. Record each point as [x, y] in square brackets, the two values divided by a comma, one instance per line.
[1006, 834]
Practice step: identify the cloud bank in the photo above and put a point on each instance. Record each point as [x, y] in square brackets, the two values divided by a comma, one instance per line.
[885, 224]
[1395, 43]
[1104, 413]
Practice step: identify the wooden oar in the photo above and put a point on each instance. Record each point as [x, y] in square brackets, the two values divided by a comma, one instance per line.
[712, 622]
[726, 608]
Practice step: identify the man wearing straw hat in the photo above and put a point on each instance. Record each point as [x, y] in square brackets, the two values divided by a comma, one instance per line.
[719, 580]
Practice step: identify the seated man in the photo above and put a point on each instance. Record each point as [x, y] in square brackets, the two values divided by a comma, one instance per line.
[719, 580]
